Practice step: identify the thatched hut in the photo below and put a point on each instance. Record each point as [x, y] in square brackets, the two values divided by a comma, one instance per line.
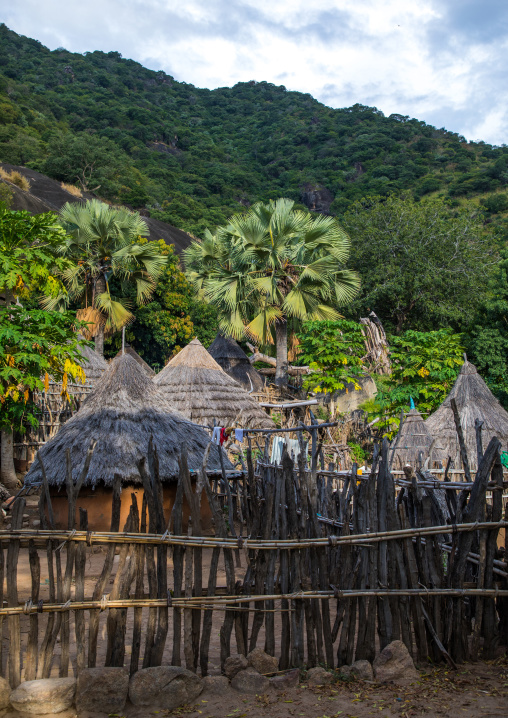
[415, 444]
[124, 411]
[197, 386]
[474, 401]
[142, 363]
[235, 362]
[93, 364]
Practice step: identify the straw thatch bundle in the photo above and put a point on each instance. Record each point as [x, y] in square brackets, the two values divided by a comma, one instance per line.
[93, 364]
[415, 444]
[235, 362]
[474, 401]
[142, 363]
[197, 386]
[121, 414]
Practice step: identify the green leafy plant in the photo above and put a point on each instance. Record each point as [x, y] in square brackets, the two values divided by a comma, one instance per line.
[424, 368]
[333, 350]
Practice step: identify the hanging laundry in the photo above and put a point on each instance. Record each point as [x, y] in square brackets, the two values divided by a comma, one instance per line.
[216, 435]
[239, 435]
[223, 436]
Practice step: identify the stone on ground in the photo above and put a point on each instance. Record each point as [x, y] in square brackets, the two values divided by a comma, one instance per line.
[215, 684]
[318, 677]
[48, 695]
[250, 681]
[102, 690]
[5, 692]
[362, 670]
[234, 664]
[164, 687]
[286, 681]
[262, 662]
[395, 664]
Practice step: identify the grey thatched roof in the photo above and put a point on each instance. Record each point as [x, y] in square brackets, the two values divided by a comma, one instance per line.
[121, 414]
[235, 362]
[414, 443]
[93, 364]
[474, 401]
[197, 386]
[142, 363]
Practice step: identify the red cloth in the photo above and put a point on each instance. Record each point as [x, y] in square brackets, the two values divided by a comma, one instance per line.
[222, 438]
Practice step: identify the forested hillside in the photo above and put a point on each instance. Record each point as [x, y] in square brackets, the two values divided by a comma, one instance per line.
[193, 156]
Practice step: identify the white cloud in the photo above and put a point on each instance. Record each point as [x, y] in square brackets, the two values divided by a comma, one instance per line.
[430, 59]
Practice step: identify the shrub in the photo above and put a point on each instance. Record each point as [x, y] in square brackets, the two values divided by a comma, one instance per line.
[71, 189]
[15, 178]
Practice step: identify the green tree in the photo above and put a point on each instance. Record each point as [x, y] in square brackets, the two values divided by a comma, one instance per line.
[424, 368]
[488, 339]
[333, 350]
[104, 242]
[32, 342]
[271, 265]
[422, 264]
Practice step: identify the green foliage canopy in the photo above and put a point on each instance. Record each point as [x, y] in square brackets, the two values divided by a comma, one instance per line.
[333, 350]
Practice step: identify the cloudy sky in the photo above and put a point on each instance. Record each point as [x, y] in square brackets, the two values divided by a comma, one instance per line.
[442, 61]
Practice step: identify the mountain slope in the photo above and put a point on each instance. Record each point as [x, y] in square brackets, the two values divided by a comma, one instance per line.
[48, 195]
[192, 156]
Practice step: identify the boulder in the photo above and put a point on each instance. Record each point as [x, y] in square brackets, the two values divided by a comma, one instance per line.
[262, 662]
[102, 690]
[318, 677]
[164, 687]
[5, 692]
[250, 681]
[215, 684]
[234, 664]
[362, 670]
[395, 664]
[48, 695]
[286, 681]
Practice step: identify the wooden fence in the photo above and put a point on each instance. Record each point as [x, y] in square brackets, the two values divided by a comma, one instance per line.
[311, 572]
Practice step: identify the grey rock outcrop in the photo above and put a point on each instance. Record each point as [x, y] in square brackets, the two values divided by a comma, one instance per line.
[234, 664]
[102, 690]
[250, 681]
[395, 664]
[216, 684]
[48, 695]
[319, 677]
[164, 687]
[262, 662]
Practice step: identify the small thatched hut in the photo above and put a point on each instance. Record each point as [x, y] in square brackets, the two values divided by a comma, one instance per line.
[197, 386]
[474, 401]
[235, 362]
[415, 444]
[142, 363]
[123, 412]
[93, 365]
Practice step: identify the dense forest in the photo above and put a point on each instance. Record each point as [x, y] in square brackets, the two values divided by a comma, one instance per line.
[193, 156]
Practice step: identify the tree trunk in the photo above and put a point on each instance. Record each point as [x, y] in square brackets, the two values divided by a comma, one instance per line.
[281, 341]
[8, 474]
[100, 287]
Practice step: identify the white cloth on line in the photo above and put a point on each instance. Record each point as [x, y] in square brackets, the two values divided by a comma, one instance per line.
[239, 435]
[292, 445]
[216, 435]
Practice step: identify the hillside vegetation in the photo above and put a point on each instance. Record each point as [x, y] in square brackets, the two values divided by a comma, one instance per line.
[193, 156]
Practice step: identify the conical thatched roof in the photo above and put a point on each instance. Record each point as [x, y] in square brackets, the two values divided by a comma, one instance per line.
[235, 362]
[121, 414]
[474, 401]
[197, 386]
[93, 364]
[414, 443]
[142, 363]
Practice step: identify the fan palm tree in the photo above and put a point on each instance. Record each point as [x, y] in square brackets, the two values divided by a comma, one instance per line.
[104, 241]
[269, 266]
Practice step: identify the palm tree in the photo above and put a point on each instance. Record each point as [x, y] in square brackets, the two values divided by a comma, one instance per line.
[103, 241]
[269, 266]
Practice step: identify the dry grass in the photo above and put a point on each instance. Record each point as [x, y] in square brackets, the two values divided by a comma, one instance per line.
[71, 189]
[15, 178]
